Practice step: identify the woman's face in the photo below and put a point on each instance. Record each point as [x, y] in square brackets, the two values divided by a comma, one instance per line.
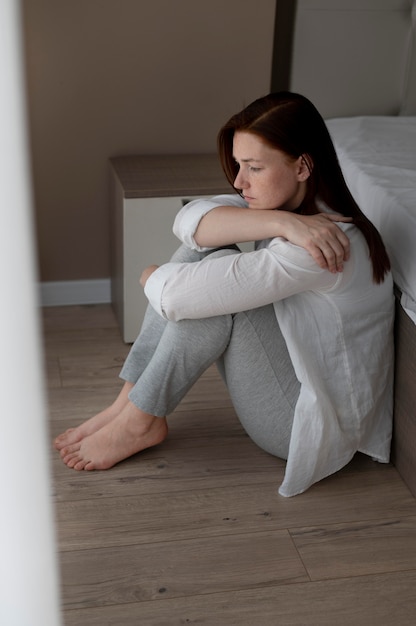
[267, 177]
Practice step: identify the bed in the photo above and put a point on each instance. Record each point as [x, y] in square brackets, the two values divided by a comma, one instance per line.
[356, 60]
[378, 158]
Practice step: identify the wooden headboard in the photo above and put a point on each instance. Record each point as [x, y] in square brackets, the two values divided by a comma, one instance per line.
[350, 57]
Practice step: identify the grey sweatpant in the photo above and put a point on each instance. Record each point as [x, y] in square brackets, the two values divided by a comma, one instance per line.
[167, 358]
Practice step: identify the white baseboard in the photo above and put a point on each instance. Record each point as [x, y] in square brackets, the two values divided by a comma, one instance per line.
[72, 292]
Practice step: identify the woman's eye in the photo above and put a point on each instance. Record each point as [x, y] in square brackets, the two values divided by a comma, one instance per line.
[254, 169]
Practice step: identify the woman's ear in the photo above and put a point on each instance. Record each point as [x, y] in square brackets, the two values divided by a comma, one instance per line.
[305, 167]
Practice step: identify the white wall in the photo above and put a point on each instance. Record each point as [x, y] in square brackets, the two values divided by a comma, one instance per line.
[350, 57]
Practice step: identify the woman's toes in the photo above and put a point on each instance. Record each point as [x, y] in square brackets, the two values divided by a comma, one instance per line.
[60, 441]
[70, 452]
[76, 463]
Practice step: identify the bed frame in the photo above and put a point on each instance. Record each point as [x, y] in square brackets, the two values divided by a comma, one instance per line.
[358, 57]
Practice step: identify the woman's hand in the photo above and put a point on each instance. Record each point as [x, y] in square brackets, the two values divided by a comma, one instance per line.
[320, 236]
[146, 273]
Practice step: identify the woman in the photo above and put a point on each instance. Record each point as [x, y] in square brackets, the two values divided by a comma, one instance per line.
[300, 328]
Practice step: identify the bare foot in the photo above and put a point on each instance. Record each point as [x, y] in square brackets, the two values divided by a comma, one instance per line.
[89, 427]
[128, 433]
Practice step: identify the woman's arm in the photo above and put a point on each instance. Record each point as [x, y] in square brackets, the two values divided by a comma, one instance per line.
[318, 234]
[234, 281]
[187, 220]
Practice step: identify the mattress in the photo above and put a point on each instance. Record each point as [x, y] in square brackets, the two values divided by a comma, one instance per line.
[378, 158]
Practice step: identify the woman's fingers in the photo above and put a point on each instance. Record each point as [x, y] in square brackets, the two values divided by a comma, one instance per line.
[332, 243]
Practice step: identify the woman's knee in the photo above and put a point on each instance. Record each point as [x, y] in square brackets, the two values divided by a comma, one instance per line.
[188, 255]
[201, 331]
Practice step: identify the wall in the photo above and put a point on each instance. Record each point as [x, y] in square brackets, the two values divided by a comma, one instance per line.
[354, 57]
[113, 77]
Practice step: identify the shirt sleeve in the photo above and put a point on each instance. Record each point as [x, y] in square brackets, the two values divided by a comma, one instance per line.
[235, 282]
[188, 218]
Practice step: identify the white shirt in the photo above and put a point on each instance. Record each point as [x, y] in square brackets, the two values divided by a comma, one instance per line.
[338, 329]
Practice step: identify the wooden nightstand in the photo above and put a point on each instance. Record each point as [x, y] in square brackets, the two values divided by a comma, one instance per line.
[147, 193]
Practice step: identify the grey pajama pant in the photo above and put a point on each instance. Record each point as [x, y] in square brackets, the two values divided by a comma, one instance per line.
[167, 358]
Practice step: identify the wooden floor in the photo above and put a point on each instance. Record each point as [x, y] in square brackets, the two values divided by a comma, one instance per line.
[194, 532]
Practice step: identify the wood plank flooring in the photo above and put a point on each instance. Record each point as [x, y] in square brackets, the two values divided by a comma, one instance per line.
[194, 532]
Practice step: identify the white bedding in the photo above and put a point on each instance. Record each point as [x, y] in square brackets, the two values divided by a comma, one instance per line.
[378, 159]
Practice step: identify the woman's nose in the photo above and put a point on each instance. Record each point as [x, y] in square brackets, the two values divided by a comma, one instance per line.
[239, 182]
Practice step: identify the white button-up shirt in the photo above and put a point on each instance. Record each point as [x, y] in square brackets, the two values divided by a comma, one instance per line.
[338, 329]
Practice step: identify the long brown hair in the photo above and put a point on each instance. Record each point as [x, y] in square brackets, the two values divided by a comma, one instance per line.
[290, 123]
